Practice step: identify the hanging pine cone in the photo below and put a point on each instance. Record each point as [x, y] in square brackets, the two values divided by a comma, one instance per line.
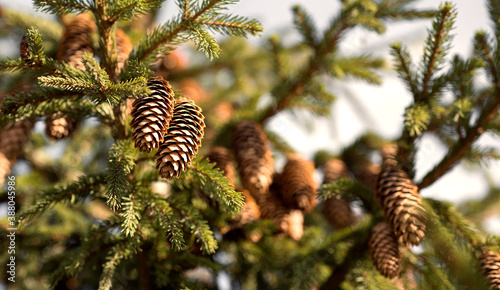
[490, 263]
[250, 212]
[222, 159]
[384, 250]
[5, 165]
[336, 209]
[123, 49]
[287, 221]
[59, 126]
[368, 175]
[253, 156]
[402, 205]
[24, 50]
[193, 90]
[151, 115]
[182, 139]
[14, 137]
[297, 184]
[76, 40]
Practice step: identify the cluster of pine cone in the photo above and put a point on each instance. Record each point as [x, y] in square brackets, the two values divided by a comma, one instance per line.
[174, 128]
[398, 198]
[282, 197]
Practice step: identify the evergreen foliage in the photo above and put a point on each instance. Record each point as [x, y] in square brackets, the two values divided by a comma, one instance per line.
[92, 205]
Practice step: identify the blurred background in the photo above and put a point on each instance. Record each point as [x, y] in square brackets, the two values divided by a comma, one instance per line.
[360, 106]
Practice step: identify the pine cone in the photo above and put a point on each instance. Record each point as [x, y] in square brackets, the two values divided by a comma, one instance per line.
[253, 156]
[14, 137]
[368, 175]
[298, 187]
[250, 212]
[288, 222]
[151, 115]
[123, 49]
[490, 263]
[223, 111]
[384, 250]
[24, 50]
[336, 209]
[5, 165]
[172, 63]
[182, 139]
[76, 40]
[193, 90]
[402, 205]
[59, 126]
[222, 159]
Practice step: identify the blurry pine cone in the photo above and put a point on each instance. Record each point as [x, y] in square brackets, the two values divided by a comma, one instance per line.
[253, 156]
[490, 263]
[24, 50]
[223, 111]
[14, 137]
[182, 139]
[123, 49]
[151, 115]
[384, 250]
[288, 222]
[297, 184]
[193, 90]
[59, 126]
[368, 175]
[76, 40]
[172, 63]
[250, 212]
[5, 165]
[402, 205]
[336, 209]
[222, 159]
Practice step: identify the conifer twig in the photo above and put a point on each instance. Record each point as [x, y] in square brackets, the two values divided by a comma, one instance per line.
[460, 148]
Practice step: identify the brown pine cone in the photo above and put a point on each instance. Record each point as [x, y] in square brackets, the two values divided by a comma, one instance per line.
[151, 115]
[182, 139]
[76, 40]
[297, 184]
[172, 63]
[14, 137]
[288, 222]
[5, 165]
[368, 175]
[384, 250]
[490, 263]
[24, 50]
[123, 49]
[250, 212]
[193, 90]
[336, 209]
[402, 205]
[253, 156]
[222, 159]
[59, 126]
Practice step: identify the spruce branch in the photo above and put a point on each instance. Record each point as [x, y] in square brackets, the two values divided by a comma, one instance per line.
[484, 50]
[213, 181]
[50, 29]
[121, 163]
[404, 66]
[459, 149]
[121, 251]
[131, 215]
[129, 9]
[305, 26]
[170, 221]
[73, 193]
[232, 25]
[396, 9]
[437, 45]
